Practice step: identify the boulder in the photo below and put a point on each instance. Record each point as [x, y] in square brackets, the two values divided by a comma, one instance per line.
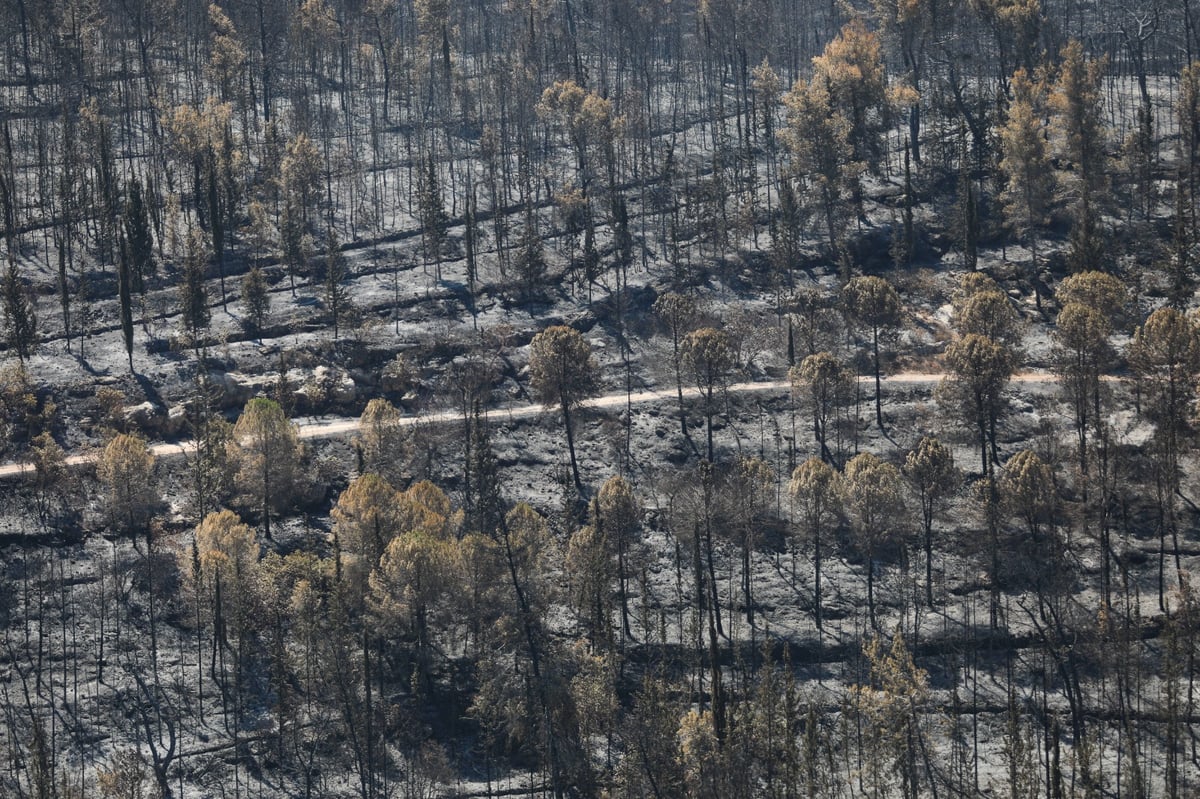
[331, 385]
[176, 421]
[236, 389]
[145, 416]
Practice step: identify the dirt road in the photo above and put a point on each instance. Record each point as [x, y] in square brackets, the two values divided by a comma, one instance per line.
[340, 426]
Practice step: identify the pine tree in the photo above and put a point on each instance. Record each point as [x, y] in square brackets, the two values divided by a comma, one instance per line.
[616, 516]
[1187, 112]
[256, 300]
[987, 311]
[216, 221]
[1026, 167]
[785, 232]
[767, 88]
[125, 277]
[293, 242]
[874, 504]
[267, 453]
[875, 307]
[1179, 266]
[336, 296]
[366, 519]
[707, 352]
[968, 207]
[470, 242]
[563, 373]
[138, 241]
[852, 69]
[126, 470]
[383, 442]
[488, 511]
[978, 369]
[931, 473]
[1027, 483]
[904, 240]
[1076, 101]
[1086, 239]
[20, 320]
[815, 489]
[827, 386]
[677, 312]
[193, 295]
[622, 238]
[530, 263]
[823, 156]
[434, 222]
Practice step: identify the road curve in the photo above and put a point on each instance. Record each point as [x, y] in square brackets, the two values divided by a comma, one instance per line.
[341, 426]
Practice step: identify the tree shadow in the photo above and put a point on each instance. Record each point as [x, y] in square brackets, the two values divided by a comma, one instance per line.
[86, 365]
[148, 388]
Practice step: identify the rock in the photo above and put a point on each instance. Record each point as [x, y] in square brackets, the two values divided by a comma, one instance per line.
[145, 416]
[237, 389]
[176, 420]
[363, 377]
[230, 391]
[346, 392]
[331, 385]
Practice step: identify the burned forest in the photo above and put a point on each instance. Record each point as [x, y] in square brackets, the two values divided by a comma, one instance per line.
[596, 399]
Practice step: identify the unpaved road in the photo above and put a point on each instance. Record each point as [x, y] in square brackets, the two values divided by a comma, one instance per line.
[340, 426]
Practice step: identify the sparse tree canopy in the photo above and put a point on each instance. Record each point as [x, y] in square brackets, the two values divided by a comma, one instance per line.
[978, 369]
[827, 387]
[725, 190]
[365, 519]
[1076, 100]
[853, 70]
[587, 117]
[562, 373]
[126, 472]
[1099, 291]
[1028, 187]
[931, 473]
[988, 313]
[708, 356]
[383, 441]
[267, 454]
[876, 308]
[1028, 484]
[819, 138]
[874, 503]
[816, 490]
